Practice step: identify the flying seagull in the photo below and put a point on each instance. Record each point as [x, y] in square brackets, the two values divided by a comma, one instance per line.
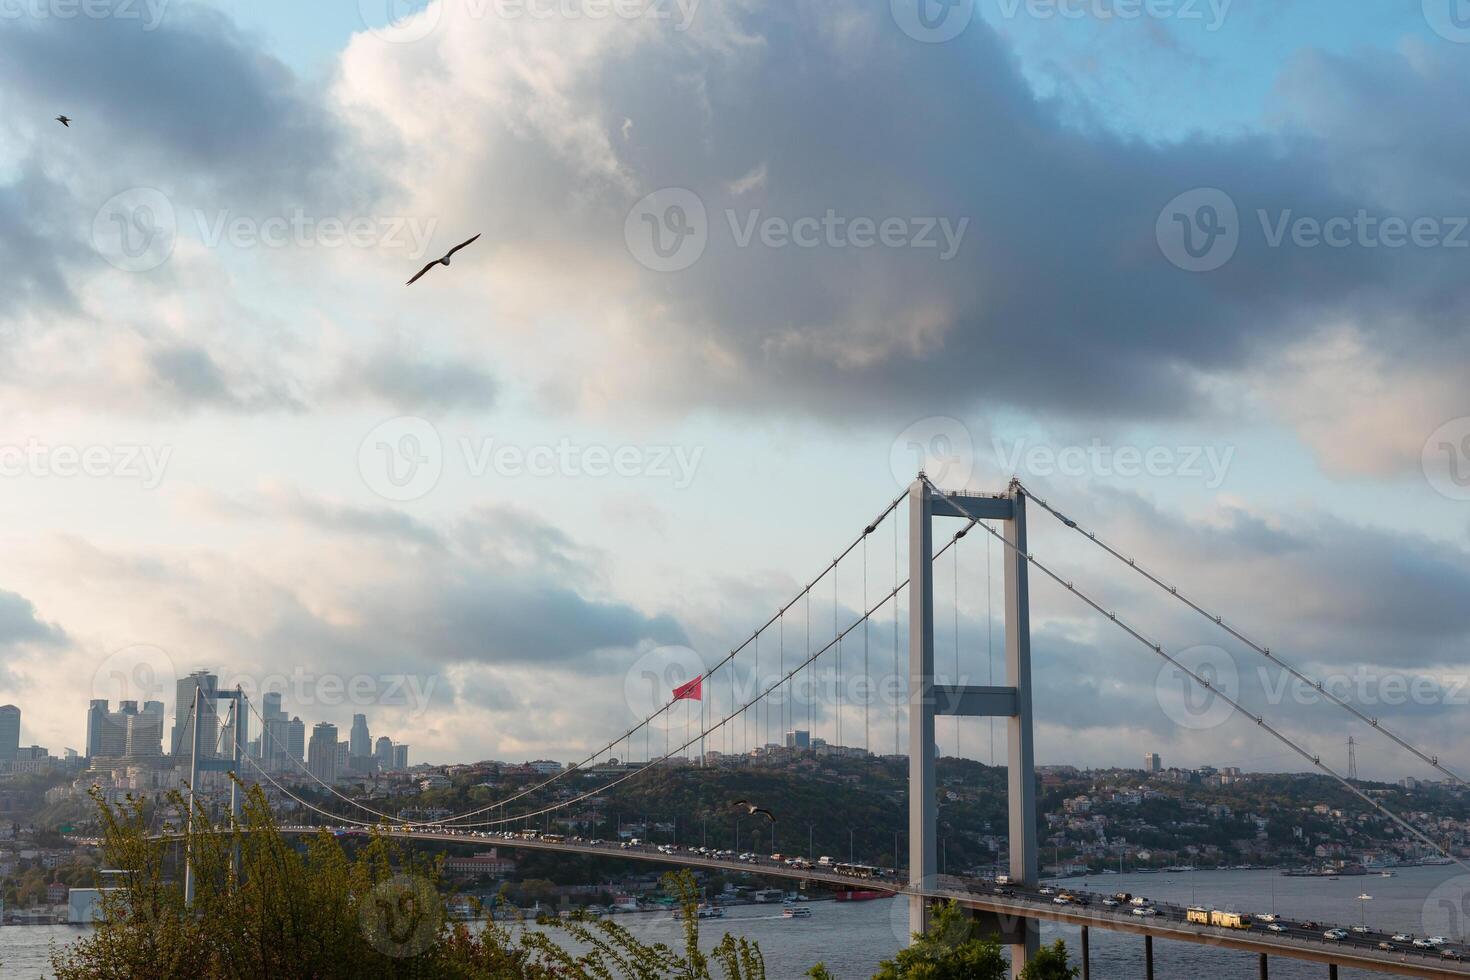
[64, 120]
[752, 809]
[444, 261]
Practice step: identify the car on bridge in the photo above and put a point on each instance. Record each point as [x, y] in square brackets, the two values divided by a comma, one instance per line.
[1335, 935]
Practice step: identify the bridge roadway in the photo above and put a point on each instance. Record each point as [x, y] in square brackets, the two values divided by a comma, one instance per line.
[1297, 940]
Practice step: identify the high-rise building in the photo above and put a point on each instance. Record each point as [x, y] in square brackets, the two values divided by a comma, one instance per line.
[145, 732]
[360, 741]
[126, 733]
[9, 732]
[383, 752]
[344, 757]
[1152, 762]
[296, 740]
[96, 718]
[275, 740]
[182, 742]
[400, 757]
[321, 753]
[798, 739]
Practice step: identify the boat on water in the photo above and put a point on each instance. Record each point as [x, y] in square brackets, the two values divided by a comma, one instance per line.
[1387, 874]
[860, 895]
[703, 911]
[795, 912]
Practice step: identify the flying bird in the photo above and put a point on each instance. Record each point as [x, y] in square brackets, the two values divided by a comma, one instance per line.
[444, 261]
[751, 809]
[65, 121]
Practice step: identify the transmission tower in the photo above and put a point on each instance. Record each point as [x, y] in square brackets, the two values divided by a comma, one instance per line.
[1352, 772]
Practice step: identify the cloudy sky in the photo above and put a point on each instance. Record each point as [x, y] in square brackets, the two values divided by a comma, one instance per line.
[1192, 269]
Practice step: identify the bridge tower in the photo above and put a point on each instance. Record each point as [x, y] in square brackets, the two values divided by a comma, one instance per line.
[1012, 701]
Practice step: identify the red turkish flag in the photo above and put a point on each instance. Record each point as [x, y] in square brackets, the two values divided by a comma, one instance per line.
[693, 691]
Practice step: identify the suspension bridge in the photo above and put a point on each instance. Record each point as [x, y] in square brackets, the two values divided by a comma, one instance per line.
[756, 687]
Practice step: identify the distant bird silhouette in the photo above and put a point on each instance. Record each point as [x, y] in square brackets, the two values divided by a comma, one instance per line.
[65, 121]
[444, 261]
[751, 809]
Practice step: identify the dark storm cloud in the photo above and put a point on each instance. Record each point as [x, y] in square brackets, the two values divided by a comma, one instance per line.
[191, 99]
[20, 624]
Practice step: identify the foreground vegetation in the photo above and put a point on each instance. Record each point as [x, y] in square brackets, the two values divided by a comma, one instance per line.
[316, 910]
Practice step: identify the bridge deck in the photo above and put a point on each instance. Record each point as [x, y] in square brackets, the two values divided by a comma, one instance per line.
[1359, 952]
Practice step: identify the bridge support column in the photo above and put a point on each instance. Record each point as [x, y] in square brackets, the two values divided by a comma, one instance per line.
[1263, 967]
[1086, 959]
[1020, 758]
[923, 805]
[1148, 957]
[1332, 971]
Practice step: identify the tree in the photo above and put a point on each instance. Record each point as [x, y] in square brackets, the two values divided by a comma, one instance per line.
[952, 949]
[312, 910]
[1050, 963]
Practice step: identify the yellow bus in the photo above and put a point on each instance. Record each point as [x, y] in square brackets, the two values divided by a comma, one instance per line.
[1197, 914]
[1225, 920]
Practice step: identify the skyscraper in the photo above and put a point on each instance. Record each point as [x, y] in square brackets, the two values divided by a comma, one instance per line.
[296, 741]
[383, 752]
[182, 743]
[360, 746]
[400, 757]
[145, 732]
[9, 732]
[321, 753]
[275, 740]
[1152, 762]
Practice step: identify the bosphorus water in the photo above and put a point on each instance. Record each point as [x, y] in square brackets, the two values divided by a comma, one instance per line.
[852, 938]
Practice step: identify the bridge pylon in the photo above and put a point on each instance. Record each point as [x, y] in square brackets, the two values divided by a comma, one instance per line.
[1012, 701]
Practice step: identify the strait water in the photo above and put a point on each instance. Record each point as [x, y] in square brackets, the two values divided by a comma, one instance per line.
[852, 938]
